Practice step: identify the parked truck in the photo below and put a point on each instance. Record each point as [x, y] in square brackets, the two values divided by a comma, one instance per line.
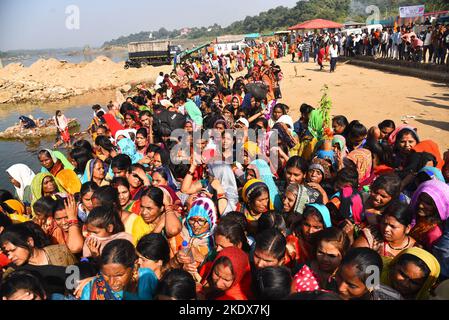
[153, 53]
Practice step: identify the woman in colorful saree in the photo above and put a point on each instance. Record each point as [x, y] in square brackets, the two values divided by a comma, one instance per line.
[53, 161]
[412, 273]
[122, 186]
[44, 184]
[430, 203]
[259, 169]
[119, 278]
[21, 176]
[96, 171]
[197, 234]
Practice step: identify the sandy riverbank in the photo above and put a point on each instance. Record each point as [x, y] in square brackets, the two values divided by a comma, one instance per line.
[371, 96]
[52, 80]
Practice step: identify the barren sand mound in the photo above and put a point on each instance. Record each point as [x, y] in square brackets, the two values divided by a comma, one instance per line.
[51, 79]
[43, 64]
[11, 68]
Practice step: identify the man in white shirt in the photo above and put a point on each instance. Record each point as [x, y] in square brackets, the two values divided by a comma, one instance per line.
[428, 45]
[333, 52]
[396, 42]
[160, 78]
[357, 40]
[384, 43]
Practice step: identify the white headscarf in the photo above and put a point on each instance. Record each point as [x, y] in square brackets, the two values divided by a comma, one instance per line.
[125, 133]
[223, 172]
[23, 174]
[287, 120]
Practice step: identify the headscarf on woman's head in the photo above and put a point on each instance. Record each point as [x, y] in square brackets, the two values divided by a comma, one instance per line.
[362, 158]
[430, 261]
[124, 133]
[223, 122]
[283, 134]
[241, 286]
[16, 205]
[252, 148]
[89, 171]
[69, 181]
[432, 148]
[305, 196]
[323, 165]
[58, 155]
[223, 172]
[433, 173]
[250, 186]
[52, 155]
[286, 119]
[36, 185]
[170, 193]
[315, 125]
[438, 191]
[19, 210]
[394, 134]
[128, 147]
[22, 174]
[324, 212]
[341, 141]
[239, 98]
[263, 172]
[326, 155]
[203, 208]
[171, 182]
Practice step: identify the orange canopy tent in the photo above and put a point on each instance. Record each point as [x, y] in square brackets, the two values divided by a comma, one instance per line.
[317, 24]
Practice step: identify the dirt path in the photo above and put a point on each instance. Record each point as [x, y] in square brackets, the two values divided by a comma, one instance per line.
[370, 96]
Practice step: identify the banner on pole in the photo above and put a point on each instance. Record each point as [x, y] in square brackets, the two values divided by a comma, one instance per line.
[411, 11]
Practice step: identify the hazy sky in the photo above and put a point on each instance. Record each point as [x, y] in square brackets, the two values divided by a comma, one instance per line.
[37, 24]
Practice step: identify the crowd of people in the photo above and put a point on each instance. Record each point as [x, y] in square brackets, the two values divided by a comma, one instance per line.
[430, 45]
[427, 43]
[322, 47]
[171, 197]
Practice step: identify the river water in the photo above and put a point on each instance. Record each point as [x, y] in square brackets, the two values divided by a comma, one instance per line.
[28, 59]
[12, 152]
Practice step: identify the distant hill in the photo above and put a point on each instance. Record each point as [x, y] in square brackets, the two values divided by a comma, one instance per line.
[280, 18]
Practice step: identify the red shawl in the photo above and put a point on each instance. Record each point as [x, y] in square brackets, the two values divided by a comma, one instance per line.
[241, 288]
[57, 167]
[112, 123]
[173, 195]
[382, 169]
